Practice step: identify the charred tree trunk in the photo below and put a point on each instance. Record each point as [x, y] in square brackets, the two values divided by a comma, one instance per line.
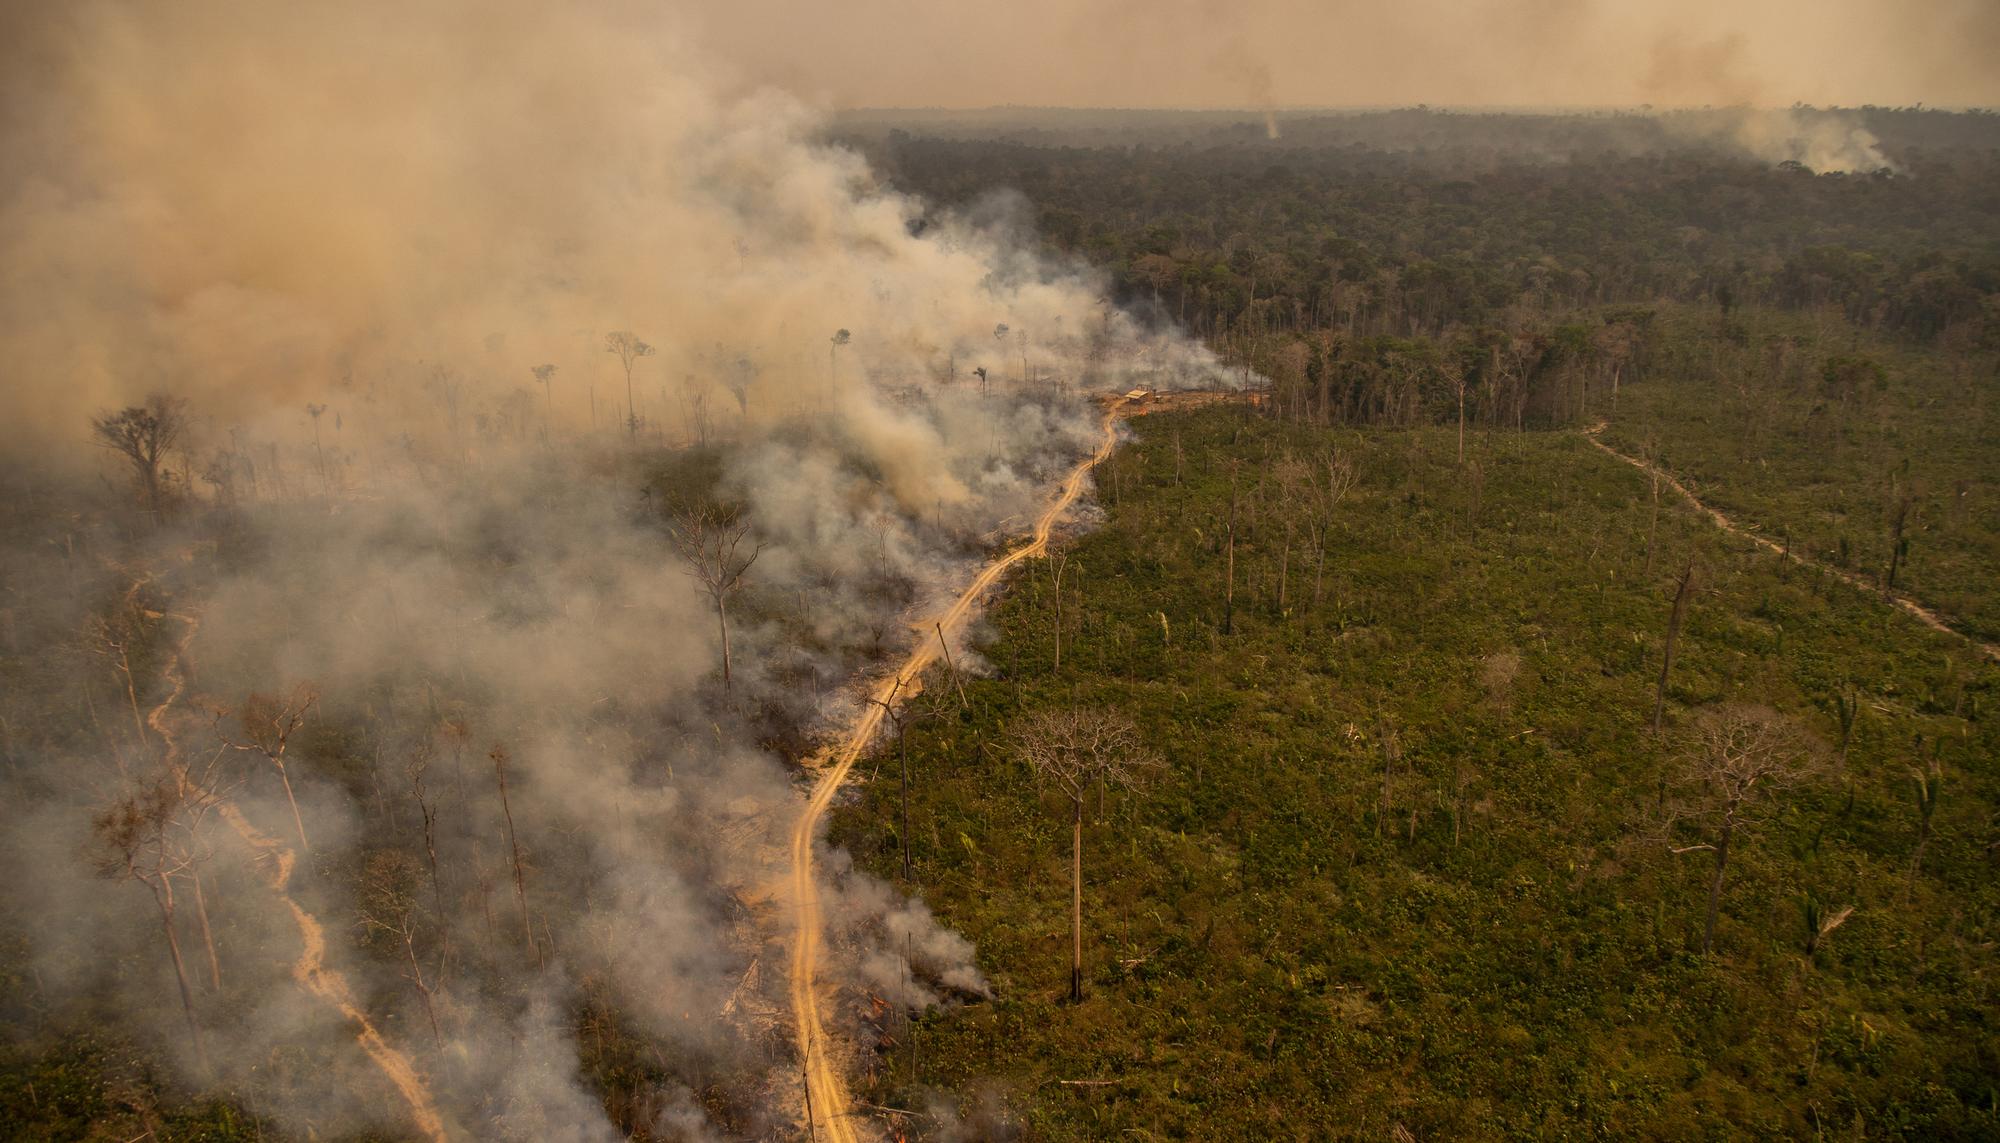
[722, 621]
[1229, 573]
[1076, 903]
[1653, 523]
[903, 749]
[163, 896]
[1715, 887]
[499, 757]
[1673, 633]
[207, 934]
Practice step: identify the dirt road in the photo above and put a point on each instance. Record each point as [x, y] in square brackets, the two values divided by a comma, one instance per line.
[828, 1106]
[1911, 607]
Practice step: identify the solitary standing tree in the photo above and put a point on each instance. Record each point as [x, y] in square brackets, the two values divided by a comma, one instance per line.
[1319, 483]
[710, 538]
[1674, 618]
[269, 724]
[738, 379]
[1074, 750]
[143, 435]
[498, 756]
[1735, 765]
[546, 376]
[319, 454]
[628, 348]
[1925, 785]
[1901, 500]
[389, 910]
[151, 836]
[840, 337]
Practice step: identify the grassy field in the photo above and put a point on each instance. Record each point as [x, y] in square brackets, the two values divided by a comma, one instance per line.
[1402, 869]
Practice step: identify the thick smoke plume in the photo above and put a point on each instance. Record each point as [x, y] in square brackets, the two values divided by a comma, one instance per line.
[424, 611]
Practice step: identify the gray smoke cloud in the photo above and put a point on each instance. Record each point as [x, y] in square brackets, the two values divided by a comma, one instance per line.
[534, 827]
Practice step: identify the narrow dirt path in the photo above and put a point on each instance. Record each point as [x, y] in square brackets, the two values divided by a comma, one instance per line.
[829, 1108]
[1911, 607]
[276, 861]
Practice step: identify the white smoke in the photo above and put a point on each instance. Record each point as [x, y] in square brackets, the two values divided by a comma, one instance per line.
[392, 215]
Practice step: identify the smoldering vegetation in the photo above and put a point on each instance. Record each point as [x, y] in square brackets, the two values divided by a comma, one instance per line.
[513, 451]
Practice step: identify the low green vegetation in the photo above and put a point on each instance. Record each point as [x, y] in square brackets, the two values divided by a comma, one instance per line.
[1409, 864]
[1818, 434]
[91, 1088]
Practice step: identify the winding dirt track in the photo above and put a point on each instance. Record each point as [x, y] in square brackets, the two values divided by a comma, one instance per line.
[828, 1106]
[312, 972]
[1911, 607]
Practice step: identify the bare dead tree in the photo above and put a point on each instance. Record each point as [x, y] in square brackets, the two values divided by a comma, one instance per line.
[1073, 750]
[1925, 786]
[1674, 617]
[710, 538]
[428, 808]
[143, 435]
[315, 411]
[1653, 517]
[268, 724]
[112, 637]
[389, 911]
[152, 835]
[498, 755]
[1229, 560]
[900, 718]
[1901, 500]
[1318, 483]
[628, 348]
[1732, 769]
[1847, 709]
[739, 378]
[1456, 375]
[545, 375]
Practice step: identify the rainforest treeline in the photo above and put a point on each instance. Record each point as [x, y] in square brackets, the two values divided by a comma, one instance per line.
[1373, 265]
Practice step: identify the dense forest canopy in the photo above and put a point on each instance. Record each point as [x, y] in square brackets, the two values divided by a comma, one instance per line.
[1412, 222]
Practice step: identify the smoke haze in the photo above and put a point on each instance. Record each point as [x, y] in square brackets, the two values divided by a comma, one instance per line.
[348, 235]
[1362, 53]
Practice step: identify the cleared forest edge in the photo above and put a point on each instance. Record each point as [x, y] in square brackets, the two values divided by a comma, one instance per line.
[1911, 607]
[828, 1105]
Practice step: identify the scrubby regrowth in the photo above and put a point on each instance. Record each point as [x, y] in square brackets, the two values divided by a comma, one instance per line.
[506, 804]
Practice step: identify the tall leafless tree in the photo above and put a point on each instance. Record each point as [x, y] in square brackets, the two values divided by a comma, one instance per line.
[1734, 766]
[711, 538]
[545, 375]
[315, 411]
[1316, 485]
[389, 910]
[1674, 617]
[268, 724]
[152, 835]
[628, 348]
[1926, 783]
[1074, 750]
[498, 756]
